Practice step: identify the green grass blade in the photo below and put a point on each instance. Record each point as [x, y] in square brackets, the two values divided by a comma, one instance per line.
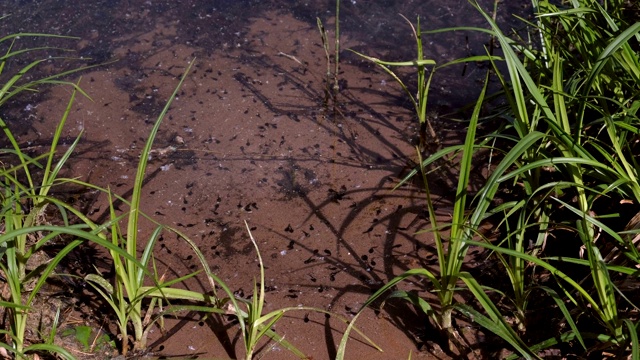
[15, 78]
[470, 59]
[60, 351]
[608, 52]
[166, 292]
[633, 337]
[567, 315]
[552, 269]
[460, 204]
[342, 347]
[499, 330]
[132, 225]
[50, 173]
[552, 162]
[458, 28]
[457, 249]
[30, 34]
[565, 337]
[416, 301]
[518, 73]
[264, 323]
[376, 61]
[147, 254]
[489, 190]
[51, 265]
[286, 344]
[426, 162]
[433, 220]
[578, 10]
[79, 233]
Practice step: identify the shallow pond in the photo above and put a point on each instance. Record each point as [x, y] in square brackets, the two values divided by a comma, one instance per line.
[252, 136]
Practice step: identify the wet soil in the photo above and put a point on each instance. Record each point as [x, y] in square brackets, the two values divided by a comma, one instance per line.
[253, 137]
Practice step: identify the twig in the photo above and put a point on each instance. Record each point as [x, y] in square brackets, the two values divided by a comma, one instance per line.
[280, 53]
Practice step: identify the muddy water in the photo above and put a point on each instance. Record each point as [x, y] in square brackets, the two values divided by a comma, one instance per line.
[372, 27]
[251, 137]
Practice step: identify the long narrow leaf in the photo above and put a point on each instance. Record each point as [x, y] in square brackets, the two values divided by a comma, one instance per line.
[496, 324]
[132, 225]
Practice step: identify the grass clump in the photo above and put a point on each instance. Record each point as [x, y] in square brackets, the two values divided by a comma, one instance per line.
[24, 202]
[567, 133]
[134, 303]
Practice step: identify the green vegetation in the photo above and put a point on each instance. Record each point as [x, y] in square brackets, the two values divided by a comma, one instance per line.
[127, 297]
[564, 129]
[423, 83]
[134, 304]
[23, 212]
[332, 86]
[568, 134]
[86, 337]
[256, 325]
